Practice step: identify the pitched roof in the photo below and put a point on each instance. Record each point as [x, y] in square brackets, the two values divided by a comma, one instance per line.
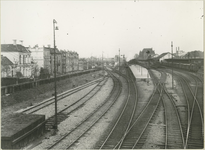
[5, 61]
[14, 48]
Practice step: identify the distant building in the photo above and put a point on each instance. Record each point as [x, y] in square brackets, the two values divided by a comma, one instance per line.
[164, 56]
[58, 61]
[6, 67]
[73, 61]
[146, 53]
[19, 56]
[41, 56]
[66, 61]
[64, 58]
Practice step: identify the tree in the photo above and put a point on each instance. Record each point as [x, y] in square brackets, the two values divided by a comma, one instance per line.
[34, 70]
[19, 74]
[6, 70]
[44, 73]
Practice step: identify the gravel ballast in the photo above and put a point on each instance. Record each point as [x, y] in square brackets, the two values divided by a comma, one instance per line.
[77, 116]
[91, 139]
[156, 137]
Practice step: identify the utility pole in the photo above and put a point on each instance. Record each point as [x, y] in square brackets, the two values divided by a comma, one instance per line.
[172, 64]
[102, 63]
[119, 59]
[55, 86]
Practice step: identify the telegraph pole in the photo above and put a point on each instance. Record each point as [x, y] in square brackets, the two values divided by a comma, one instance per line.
[102, 63]
[172, 64]
[119, 59]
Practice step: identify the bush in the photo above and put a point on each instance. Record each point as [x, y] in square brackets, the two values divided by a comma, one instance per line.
[19, 74]
[44, 73]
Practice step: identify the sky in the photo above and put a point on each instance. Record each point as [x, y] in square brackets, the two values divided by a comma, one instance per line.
[96, 28]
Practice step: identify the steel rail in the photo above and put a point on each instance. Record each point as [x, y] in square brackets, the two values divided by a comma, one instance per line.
[90, 115]
[121, 114]
[193, 94]
[133, 112]
[79, 102]
[182, 79]
[166, 113]
[105, 111]
[120, 141]
[178, 117]
[192, 110]
[60, 97]
[141, 114]
[157, 105]
[52, 116]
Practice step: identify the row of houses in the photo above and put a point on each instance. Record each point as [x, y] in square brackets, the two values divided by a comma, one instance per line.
[20, 61]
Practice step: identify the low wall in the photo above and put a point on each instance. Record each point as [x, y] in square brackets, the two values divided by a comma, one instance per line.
[22, 86]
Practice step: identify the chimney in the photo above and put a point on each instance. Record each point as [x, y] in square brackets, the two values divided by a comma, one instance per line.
[14, 42]
[49, 46]
[21, 41]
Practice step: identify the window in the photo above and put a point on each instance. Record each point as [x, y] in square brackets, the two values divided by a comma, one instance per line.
[23, 59]
[19, 59]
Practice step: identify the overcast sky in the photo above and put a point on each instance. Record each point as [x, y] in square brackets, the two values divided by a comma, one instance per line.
[90, 27]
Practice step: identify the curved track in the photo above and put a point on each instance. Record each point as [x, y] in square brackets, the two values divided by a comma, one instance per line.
[125, 119]
[66, 142]
[139, 124]
[174, 138]
[193, 130]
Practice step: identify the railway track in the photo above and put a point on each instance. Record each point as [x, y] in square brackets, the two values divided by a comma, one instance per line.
[174, 131]
[61, 96]
[66, 110]
[133, 137]
[83, 127]
[174, 138]
[125, 118]
[193, 129]
[132, 134]
[194, 136]
[173, 134]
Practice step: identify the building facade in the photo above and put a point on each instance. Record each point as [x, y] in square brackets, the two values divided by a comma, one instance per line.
[41, 56]
[20, 56]
[58, 61]
[146, 53]
[6, 67]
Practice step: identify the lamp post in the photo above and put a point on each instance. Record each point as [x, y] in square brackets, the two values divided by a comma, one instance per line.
[172, 64]
[55, 86]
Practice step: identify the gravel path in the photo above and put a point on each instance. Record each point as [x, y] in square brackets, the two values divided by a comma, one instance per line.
[77, 116]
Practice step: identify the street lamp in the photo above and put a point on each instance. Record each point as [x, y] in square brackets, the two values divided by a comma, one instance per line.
[55, 28]
[172, 64]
